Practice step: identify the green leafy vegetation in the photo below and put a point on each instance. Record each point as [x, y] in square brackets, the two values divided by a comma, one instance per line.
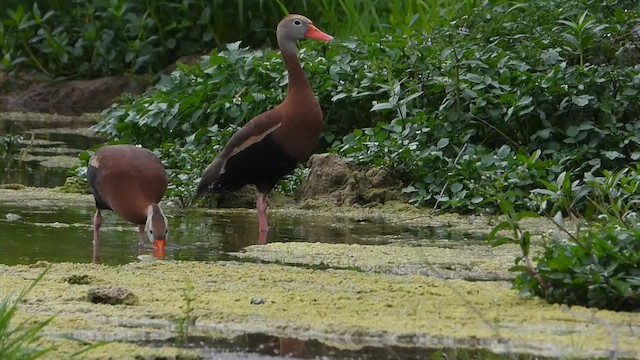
[596, 264]
[105, 37]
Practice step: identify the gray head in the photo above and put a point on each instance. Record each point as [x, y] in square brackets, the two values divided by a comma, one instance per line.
[157, 227]
[296, 27]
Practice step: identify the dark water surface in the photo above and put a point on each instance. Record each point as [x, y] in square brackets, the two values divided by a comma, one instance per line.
[30, 234]
[23, 163]
[263, 346]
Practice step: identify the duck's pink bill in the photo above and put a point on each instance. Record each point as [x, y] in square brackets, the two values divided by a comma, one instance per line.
[314, 33]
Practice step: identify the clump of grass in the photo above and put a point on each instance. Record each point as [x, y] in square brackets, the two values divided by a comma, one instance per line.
[188, 319]
[24, 340]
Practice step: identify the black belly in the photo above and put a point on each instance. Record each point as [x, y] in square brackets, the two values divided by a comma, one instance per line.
[92, 177]
[262, 164]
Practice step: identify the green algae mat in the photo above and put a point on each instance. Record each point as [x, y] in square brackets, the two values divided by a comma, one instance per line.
[342, 307]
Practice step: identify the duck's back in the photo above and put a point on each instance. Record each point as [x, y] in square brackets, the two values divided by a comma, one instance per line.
[127, 179]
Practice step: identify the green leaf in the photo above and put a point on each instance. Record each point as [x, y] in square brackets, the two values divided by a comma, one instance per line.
[382, 106]
[572, 131]
[338, 97]
[442, 143]
[502, 241]
[612, 155]
[503, 151]
[571, 40]
[477, 200]
[581, 100]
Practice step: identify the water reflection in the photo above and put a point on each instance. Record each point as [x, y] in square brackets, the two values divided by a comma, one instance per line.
[25, 161]
[267, 346]
[65, 234]
[30, 173]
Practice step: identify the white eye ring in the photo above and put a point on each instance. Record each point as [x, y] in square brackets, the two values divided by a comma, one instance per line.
[297, 22]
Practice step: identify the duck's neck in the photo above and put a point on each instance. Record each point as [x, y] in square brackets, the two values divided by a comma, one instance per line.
[298, 82]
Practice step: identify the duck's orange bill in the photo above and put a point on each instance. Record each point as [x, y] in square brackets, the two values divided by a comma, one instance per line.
[158, 248]
[314, 33]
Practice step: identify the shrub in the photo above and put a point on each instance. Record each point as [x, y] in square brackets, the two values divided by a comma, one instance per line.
[598, 269]
[597, 264]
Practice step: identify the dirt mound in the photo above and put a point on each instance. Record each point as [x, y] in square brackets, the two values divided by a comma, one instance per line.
[331, 178]
[68, 97]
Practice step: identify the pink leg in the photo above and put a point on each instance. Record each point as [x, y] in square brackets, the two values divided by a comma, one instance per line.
[141, 234]
[262, 239]
[97, 221]
[261, 206]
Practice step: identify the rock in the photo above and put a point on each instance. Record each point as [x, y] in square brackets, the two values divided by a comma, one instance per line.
[258, 301]
[76, 279]
[112, 295]
[328, 171]
[244, 198]
[12, 217]
[333, 180]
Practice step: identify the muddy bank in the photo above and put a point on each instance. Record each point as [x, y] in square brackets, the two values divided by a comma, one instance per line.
[41, 197]
[68, 97]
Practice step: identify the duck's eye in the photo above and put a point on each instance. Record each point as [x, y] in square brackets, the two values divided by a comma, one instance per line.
[297, 22]
[151, 232]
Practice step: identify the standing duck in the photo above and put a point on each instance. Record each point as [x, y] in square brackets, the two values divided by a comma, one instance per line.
[273, 143]
[131, 181]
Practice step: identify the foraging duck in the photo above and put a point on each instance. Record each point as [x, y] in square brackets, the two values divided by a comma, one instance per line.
[273, 143]
[131, 181]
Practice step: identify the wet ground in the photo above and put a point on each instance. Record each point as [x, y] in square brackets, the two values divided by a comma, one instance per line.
[346, 284]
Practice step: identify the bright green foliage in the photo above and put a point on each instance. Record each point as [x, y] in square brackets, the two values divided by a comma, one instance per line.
[105, 37]
[600, 269]
[227, 87]
[597, 264]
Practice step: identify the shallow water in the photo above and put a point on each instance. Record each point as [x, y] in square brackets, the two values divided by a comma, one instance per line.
[43, 157]
[31, 173]
[264, 346]
[31, 234]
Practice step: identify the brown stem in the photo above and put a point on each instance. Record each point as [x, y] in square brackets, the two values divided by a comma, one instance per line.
[532, 271]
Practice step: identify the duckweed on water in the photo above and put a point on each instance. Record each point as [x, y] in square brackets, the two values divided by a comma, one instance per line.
[340, 306]
[472, 262]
